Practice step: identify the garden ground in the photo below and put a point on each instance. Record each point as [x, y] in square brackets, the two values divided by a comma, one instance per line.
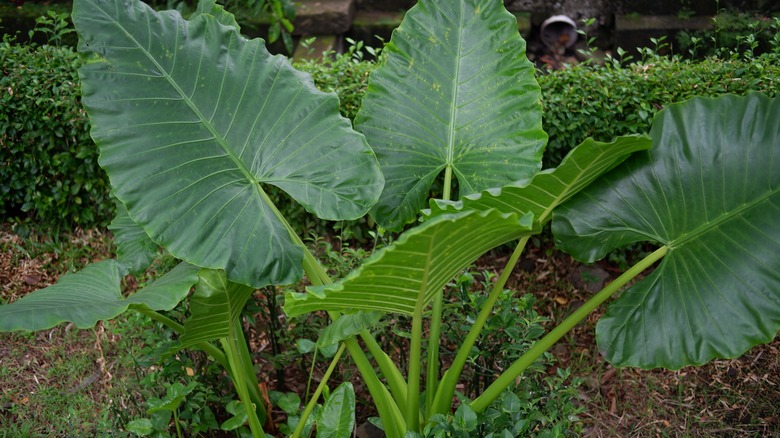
[66, 381]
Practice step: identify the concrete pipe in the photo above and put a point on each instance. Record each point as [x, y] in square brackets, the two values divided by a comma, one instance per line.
[559, 32]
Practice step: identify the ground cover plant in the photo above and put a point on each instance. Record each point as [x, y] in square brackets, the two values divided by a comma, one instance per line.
[208, 207]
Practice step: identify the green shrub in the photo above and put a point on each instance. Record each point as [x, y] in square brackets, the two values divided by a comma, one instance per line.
[605, 102]
[48, 162]
[732, 33]
[345, 74]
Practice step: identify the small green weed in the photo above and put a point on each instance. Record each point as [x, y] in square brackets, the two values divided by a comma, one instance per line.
[539, 404]
[734, 34]
[55, 26]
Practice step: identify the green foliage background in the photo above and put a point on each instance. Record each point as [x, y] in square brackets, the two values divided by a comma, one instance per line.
[605, 102]
[48, 163]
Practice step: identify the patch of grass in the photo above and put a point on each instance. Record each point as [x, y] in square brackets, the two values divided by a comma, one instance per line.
[62, 381]
[47, 389]
[93, 382]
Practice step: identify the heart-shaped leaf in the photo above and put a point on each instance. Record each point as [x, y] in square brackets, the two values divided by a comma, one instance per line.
[337, 419]
[193, 121]
[455, 91]
[709, 190]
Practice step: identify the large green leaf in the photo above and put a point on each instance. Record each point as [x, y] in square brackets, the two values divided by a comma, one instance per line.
[167, 291]
[193, 121]
[455, 90]
[416, 266]
[91, 295]
[214, 307]
[337, 418]
[550, 188]
[709, 190]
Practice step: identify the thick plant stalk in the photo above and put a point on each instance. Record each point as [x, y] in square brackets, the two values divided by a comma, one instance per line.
[520, 365]
[212, 351]
[253, 386]
[434, 337]
[434, 343]
[230, 345]
[412, 412]
[395, 381]
[446, 390]
[392, 418]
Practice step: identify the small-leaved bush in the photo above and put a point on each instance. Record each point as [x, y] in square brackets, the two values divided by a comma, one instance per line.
[605, 102]
[541, 403]
[345, 74]
[732, 32]
[48, 162]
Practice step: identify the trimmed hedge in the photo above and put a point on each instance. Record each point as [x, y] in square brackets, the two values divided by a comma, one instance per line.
[48, 163]
[605, 102]
[50, 176]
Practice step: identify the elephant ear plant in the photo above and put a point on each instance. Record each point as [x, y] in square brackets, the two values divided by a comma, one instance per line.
[454, 95]
[194, 122]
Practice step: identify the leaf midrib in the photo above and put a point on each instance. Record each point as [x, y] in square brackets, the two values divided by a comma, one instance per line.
[455, 89]
[720, 220]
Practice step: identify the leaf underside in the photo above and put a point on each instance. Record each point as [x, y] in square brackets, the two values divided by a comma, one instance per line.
[416, 266]
[550, 188]
[214, 307]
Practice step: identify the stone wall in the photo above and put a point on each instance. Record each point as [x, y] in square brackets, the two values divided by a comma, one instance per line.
[601, 10]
